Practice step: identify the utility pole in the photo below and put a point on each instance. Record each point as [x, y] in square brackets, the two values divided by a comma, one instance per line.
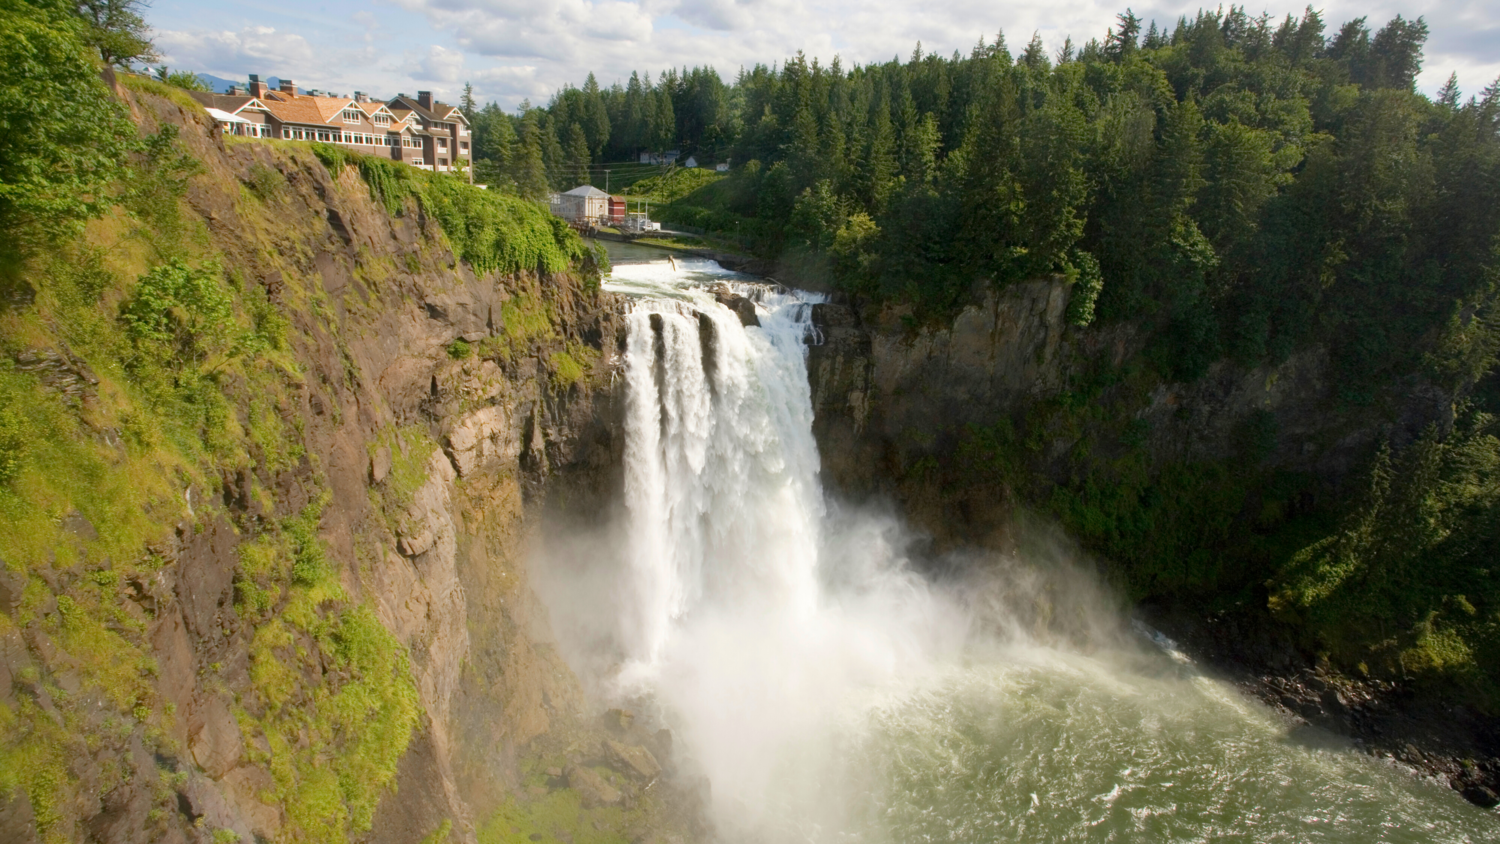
[606, 180]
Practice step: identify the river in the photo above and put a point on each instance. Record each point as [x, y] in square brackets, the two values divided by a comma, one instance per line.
[828, 692]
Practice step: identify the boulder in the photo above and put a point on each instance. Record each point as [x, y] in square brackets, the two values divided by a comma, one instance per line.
[632, 760]
[592, 788]
[742, 307]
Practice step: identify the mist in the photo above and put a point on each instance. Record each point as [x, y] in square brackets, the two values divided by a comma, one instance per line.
[726, 598]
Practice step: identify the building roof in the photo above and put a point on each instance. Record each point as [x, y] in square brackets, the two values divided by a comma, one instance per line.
[231, 103]
[585, 190]
[439, 111]
[224, 116]
[301, 108]
[374, 108]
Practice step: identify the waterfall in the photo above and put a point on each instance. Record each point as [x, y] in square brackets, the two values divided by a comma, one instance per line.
[746, 612]
[721, 470]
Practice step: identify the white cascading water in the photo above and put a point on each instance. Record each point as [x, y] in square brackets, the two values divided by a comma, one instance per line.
[828, 693]
[720, 465]
[735, 618]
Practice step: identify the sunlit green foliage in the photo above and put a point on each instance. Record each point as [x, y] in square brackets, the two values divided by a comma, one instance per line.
[63, 136]
[488, 229]
[1407, 583]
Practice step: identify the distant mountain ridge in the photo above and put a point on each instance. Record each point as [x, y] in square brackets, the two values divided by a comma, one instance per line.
[220, 85]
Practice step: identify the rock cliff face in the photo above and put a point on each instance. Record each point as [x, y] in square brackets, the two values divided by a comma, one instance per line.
[895, 400]
[433, 418]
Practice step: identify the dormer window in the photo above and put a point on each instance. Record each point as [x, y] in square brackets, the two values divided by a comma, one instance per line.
[352, 115]
[382, 120]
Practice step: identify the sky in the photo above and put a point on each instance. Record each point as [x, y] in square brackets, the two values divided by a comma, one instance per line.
[513, 50]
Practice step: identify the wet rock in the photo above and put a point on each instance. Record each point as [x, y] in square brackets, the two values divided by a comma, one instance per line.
[742, 307]
[1481, 796]
[592, 788]
[632, 760]
[618, 721]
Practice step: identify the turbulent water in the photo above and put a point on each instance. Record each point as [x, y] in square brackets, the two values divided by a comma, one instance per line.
[828, 693]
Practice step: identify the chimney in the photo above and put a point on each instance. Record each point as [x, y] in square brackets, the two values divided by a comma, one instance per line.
[288, 87]
[257, 87]
[424, 99]
[236, 91]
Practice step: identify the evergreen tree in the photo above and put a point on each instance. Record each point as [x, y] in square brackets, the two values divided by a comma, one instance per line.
[528, 170]
[1449, 94]
[576, 156]
[466, 102]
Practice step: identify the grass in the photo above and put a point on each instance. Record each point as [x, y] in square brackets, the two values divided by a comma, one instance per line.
[673, 185]
[571, 365]
[524, 319]
[146, 85]
[490, 230]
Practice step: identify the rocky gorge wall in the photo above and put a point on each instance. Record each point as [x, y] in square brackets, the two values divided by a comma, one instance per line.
[427, 413]
[896, 403]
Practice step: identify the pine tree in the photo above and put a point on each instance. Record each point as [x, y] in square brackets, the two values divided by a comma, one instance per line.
[595, 117]
[1449, 95]
[466, 103]
[1122, 42]
[1035, 56]
[528, 169]
[576, 156]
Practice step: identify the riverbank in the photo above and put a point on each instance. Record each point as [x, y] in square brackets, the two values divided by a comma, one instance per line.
[1450, 742]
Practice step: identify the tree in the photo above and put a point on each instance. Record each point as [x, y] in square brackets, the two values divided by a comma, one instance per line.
[528, 169]
[185, 79]
[1122, 42]
[117, 30]
[1450, 94]
[63, 136]
[466, 103]
[576, 155]
[1396, 54]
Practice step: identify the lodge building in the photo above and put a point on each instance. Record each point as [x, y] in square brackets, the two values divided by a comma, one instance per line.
[419, 130]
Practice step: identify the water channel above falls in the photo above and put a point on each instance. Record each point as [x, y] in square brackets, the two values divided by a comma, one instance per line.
[830, 694]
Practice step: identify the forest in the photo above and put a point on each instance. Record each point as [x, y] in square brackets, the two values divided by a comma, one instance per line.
[1237, 187]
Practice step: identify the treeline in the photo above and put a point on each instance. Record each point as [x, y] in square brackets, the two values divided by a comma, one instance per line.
[564, 144]
[1242, 183]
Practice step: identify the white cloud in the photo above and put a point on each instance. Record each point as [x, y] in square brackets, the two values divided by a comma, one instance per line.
[515, 49]
[235, 54]
[441, 64]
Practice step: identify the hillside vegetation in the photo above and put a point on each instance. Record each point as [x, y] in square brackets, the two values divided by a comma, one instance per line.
[150, 391]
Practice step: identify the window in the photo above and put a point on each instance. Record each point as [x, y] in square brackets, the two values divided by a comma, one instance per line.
[442, 162]
[382, 120]
[442, 143]
[286, 133]
[417, 161]
[352, 115]
[463, 146]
